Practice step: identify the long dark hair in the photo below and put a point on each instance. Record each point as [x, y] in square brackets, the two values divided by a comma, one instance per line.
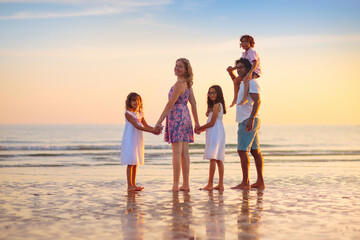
[219, 98]
[131, 96]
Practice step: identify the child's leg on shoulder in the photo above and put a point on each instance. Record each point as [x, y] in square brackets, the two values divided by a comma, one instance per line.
[237, 82]
[246, 92]
[246, 88]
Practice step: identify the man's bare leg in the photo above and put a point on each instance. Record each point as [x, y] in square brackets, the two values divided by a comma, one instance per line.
[245, 164]
[259, 162]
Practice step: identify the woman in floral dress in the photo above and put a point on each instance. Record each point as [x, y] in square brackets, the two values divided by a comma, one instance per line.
[178, 128]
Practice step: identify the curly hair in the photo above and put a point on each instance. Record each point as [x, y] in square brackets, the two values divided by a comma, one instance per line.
[248, 38]
[189, 72]
[133, 96]
[246, 63]
[219, 97]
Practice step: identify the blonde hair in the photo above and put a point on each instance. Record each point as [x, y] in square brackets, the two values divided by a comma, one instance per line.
[189, 72]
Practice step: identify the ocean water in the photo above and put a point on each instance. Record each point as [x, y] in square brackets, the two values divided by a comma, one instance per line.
[66, 182]
[99, 145]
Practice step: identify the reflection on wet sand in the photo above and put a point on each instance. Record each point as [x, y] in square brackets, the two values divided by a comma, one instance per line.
[180, 218]
[215, 222]
[248, 218]
[132, 221]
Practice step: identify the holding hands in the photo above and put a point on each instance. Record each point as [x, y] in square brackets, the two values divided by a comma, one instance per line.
[198, 129]
[158, 129]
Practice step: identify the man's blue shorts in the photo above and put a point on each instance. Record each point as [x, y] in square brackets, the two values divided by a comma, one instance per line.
[248, 140]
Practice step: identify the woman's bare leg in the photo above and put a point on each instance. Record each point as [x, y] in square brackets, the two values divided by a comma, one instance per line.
[185, 166]
[176, 149]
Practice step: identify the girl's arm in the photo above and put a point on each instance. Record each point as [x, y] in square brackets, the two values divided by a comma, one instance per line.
[216, 110]
[178, 90]
[193, 108]
[152, 130]
[207, 111]
[136, 125]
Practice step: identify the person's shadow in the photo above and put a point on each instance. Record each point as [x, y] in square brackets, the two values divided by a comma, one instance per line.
[249, 217]
[215, 222]
[132, 220]
[180, 218]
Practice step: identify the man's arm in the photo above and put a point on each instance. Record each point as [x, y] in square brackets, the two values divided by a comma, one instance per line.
[256, 98]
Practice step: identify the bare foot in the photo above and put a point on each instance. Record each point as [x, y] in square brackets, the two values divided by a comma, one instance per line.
[260, 185]
[243, 102]
[131, 188]
[207, 187]
[139, 188]
[233, 103]
[219, 187]
[242, 186]
[182, 188]
[175, 189]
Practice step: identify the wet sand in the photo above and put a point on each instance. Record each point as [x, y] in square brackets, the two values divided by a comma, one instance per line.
[309, 200]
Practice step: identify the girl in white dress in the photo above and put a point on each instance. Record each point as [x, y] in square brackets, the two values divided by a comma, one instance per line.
[215, 136]
[132, 143]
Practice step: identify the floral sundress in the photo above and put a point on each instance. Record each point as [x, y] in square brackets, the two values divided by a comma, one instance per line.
[178, 126]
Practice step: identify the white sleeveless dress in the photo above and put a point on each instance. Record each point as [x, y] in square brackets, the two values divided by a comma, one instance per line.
[215, 138]
[132, 143]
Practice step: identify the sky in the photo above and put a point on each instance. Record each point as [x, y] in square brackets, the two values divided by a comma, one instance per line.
[75, 61]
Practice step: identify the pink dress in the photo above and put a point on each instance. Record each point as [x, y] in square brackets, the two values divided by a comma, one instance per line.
[178, 126]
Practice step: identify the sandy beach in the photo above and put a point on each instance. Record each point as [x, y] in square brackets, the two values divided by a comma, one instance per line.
[310, 200]
[72, 186]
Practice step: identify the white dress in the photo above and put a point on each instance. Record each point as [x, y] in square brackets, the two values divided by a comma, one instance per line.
[132, 143]
[215, 138]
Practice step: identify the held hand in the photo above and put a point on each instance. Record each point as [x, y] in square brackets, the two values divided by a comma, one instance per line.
[158, 129]
[249, 125]
[230, 69]
[158, 126]
[196, 129]
[155, 131]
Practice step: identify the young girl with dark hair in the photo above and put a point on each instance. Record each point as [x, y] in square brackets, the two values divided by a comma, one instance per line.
[215, 136]
[132, 143]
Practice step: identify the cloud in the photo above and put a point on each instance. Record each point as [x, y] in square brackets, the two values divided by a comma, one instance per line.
[88, 12]
[88, 8]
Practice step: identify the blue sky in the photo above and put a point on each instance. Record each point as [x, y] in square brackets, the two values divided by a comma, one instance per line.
[22, 21]
[53, 48]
